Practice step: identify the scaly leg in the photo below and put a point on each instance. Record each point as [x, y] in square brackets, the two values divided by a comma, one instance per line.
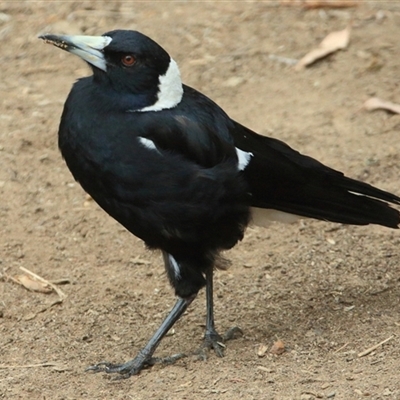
[145, 357]
[212, 339]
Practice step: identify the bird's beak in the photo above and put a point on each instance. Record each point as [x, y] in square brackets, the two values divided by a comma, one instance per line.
[89, 48]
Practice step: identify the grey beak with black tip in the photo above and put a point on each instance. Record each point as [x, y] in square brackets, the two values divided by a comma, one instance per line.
[89, 48]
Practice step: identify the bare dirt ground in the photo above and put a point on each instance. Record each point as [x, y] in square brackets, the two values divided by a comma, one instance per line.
[328, 291]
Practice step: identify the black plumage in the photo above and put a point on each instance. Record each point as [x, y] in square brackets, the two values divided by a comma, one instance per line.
[170, 165]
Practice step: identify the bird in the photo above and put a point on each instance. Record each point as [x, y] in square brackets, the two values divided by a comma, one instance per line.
[176, 171]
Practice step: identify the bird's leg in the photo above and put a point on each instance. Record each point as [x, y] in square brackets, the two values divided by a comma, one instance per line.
[145, 357]
[212, 339]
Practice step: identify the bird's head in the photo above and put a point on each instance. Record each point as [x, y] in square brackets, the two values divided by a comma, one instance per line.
[131, 64]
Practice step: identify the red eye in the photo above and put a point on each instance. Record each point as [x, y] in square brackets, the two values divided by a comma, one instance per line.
[128, 60]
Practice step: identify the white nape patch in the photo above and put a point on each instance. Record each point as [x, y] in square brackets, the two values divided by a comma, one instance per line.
[149, 144]
[265, 216]
[175, 266]
[243, 158]
[170, 89]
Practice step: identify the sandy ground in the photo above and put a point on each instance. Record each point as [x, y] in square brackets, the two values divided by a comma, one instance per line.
[329, 292]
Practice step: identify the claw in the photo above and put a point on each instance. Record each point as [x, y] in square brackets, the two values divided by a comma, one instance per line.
[134, 366]
[214, 341]
[126, 370]
[100, 367]
[145, 357]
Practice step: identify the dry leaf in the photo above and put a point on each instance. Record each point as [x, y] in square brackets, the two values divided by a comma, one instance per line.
[32, 284]
[38, 278]
[375, 103]
[278, 348]
[330, 3]
[333, 42]
[262, 349]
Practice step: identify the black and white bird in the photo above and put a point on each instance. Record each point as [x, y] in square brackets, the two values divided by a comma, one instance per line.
[175, 170]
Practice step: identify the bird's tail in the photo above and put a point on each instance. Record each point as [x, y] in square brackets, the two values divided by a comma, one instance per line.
[281, 178]
[345, 201]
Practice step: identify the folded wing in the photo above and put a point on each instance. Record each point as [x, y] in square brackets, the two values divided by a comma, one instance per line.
[281, 178]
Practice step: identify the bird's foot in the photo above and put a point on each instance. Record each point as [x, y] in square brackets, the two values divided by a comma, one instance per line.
[133, 367]
[214, 341]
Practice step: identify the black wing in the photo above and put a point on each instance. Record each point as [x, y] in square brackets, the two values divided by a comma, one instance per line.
[283, 179]
[166, 176]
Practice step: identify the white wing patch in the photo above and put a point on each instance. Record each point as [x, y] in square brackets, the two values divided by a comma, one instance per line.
[170, 89]
[243, 158]
[149, 144]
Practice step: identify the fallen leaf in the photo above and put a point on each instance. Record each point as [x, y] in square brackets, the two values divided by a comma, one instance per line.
[330, 3]
[375, 103]
[32, 284]
[38, 278]
[333, 42]
[262, 349]
[278, 348]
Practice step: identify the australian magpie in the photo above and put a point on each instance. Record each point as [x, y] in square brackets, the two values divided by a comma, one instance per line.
[175, 170]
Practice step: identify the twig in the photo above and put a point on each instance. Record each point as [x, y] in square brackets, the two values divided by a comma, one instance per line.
[341, 348]
[60, 293]
[47, 364]
[371, 349]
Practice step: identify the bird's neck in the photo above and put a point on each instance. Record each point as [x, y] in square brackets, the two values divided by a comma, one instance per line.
[169, 89]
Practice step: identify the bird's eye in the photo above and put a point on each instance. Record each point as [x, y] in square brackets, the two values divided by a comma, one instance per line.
[128, 60]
